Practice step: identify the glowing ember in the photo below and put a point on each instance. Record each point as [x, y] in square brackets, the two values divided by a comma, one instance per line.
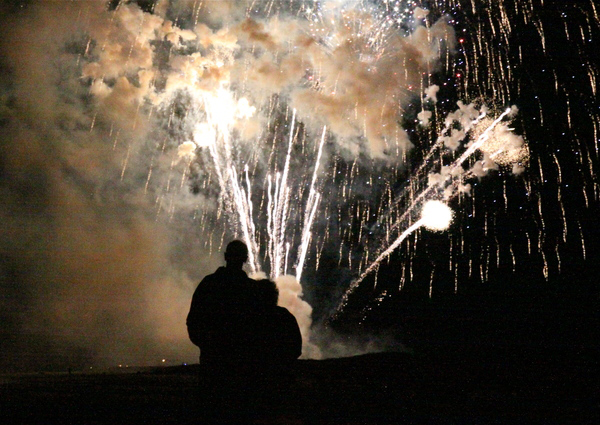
[436, 216]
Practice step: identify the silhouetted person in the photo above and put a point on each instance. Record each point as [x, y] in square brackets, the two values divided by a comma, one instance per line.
[245, 339]
[278, 341]
[219, 307]
[275, 346]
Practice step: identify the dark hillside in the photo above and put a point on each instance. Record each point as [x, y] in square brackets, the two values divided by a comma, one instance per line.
[525, 386]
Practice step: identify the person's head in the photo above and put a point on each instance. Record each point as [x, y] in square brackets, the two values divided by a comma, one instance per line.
[266, 293]
[236, 254]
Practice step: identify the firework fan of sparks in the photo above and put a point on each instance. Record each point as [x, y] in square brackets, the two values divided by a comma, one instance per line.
[398, 41]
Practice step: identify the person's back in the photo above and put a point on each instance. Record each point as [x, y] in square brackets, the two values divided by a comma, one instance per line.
[277, 338]
[287, 345]
[216, 323]
[246, 340]
[216, 320]
[274, 346]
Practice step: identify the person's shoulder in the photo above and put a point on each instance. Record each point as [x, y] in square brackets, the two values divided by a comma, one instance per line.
[283, 313]
[209, 282]
[265, 285]
[213, 277]
[263, 282]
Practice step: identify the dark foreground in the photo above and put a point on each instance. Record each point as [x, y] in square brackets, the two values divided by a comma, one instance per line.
[386, 388]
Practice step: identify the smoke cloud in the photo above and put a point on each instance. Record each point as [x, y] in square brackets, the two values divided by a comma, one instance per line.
[103, 236]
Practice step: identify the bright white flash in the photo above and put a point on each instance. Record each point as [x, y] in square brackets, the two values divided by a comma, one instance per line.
[244, 109]
[204, 135]
[436, 216]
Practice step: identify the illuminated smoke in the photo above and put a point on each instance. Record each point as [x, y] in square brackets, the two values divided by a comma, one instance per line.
[503, 146]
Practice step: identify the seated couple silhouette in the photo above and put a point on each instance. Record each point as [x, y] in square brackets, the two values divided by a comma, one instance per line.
[247, 343]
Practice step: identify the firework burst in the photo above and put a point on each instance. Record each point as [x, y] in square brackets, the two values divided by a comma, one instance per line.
[323, 132]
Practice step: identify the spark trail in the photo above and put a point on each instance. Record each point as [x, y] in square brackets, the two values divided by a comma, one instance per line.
[441, 185]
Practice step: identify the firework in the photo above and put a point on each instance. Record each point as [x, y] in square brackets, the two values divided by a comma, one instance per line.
[264, 83]
[322, 133]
